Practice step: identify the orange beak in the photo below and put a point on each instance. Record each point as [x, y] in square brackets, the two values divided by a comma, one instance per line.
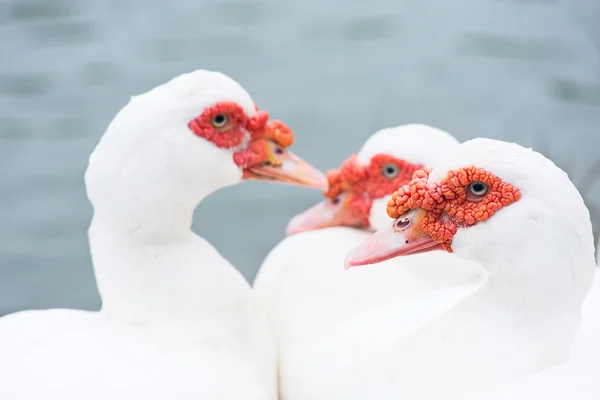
[280, 165]
[403, 237]
[328, 213]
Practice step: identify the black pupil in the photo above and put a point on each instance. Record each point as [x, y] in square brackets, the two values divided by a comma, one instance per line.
[279, 151]
[219, 119]
[390, 170]
[478, 187]
[335, 201]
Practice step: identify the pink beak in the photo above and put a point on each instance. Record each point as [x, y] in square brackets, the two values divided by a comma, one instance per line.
[403, 237]
[325, 214]
[285, 167]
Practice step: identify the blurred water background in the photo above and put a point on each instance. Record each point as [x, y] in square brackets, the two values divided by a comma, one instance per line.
[335, 71]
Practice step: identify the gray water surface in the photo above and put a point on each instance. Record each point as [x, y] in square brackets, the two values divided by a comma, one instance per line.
[519, 70]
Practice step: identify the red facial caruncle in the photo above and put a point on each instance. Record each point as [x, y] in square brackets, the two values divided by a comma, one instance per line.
[223, 124]
[362, 184]
[276, 133]
[465, 197]
[227, 126]
[352, 189]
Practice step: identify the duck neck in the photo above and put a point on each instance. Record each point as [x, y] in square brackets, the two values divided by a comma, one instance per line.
[542, 266]
[151, 267]
[149, 217]
[531, 293]
[533, 285]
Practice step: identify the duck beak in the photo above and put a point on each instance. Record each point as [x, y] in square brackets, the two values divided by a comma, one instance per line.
[403, 237]
[328, 213]
[280, 165]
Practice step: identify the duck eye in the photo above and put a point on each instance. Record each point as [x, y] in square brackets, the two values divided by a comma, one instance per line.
[402, 223]
[476, 190]
[219, 120]
[390, 171]
[279, 151]
[336, 200]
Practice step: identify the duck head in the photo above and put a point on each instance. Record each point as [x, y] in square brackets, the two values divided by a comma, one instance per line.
[199, 132]
[360, 188]
[496, 203]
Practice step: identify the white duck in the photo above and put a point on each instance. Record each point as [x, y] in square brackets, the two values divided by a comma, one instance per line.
[177, 320]
[520, 216]
[326, 320]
